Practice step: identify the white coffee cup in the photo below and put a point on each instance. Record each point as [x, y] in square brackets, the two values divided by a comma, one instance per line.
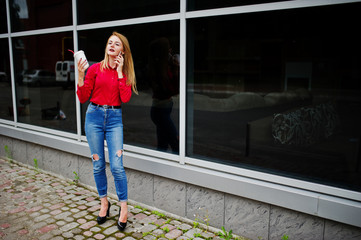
[81, 55]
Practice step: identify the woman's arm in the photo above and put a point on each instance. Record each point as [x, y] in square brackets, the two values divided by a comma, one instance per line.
[125, 90]
[86, 84]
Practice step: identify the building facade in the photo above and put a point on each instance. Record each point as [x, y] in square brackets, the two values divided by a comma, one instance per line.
[248, 111]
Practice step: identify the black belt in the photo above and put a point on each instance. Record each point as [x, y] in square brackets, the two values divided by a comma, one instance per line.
[105, 106]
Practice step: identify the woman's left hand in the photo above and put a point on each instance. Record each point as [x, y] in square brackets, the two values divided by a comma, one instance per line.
[120, 62]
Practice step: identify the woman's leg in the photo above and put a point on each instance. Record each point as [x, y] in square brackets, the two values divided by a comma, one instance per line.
[95, 135]
[124, 212]
[103, 206]
[114, 137]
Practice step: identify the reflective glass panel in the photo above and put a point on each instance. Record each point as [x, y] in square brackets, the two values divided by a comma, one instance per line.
[31, 15]
[208, 4]
[278, 91]
[150, 118]
[91, 11]
[45, 94]
[6, 101]
[3, 18]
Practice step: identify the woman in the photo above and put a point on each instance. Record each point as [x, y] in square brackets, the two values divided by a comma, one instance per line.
[109, 83]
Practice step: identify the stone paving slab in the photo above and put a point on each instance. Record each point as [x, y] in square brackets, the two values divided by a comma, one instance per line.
[38, 206]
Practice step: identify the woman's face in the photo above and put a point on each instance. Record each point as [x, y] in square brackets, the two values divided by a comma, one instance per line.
[115, 46]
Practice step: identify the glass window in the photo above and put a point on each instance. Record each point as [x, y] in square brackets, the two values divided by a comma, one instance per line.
[44, 94]
[91, 11]
[150, 118]
[6, 101]
[280, 92]
[193, 5]
[31, 15]
[3, 18]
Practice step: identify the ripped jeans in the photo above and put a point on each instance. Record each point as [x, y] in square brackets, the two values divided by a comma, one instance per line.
[106, 124]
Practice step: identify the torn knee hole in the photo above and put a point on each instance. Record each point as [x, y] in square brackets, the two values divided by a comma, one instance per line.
[119, 153]
[95, 157]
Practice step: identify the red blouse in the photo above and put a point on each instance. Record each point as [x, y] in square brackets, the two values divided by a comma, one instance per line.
[104, 87]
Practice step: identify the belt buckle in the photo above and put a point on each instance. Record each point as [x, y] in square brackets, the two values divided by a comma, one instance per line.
[106, 106]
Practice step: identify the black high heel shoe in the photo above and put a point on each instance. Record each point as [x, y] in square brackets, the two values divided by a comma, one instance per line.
[102, 220]
[121, 225]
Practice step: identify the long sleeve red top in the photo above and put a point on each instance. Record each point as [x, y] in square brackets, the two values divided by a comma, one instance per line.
[104, 87]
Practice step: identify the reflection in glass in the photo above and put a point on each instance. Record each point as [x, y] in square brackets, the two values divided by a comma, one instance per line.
[6, 102]
[139, 129]
[3, 18]
[31, 15]
[43, 97]
[90, 11]
[163, 74]
[279, 93]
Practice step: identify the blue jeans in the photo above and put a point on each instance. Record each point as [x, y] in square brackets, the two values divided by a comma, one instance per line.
[106, 124]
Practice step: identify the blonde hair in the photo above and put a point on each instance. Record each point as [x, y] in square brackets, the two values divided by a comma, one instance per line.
[128, 67]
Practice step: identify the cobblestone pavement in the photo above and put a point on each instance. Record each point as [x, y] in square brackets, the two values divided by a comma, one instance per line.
[37, 205]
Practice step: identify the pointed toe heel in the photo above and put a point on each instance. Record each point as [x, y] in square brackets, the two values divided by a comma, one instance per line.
[102, 220]
[121, 225]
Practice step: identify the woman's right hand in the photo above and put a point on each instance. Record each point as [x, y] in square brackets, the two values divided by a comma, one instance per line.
[81, 71]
